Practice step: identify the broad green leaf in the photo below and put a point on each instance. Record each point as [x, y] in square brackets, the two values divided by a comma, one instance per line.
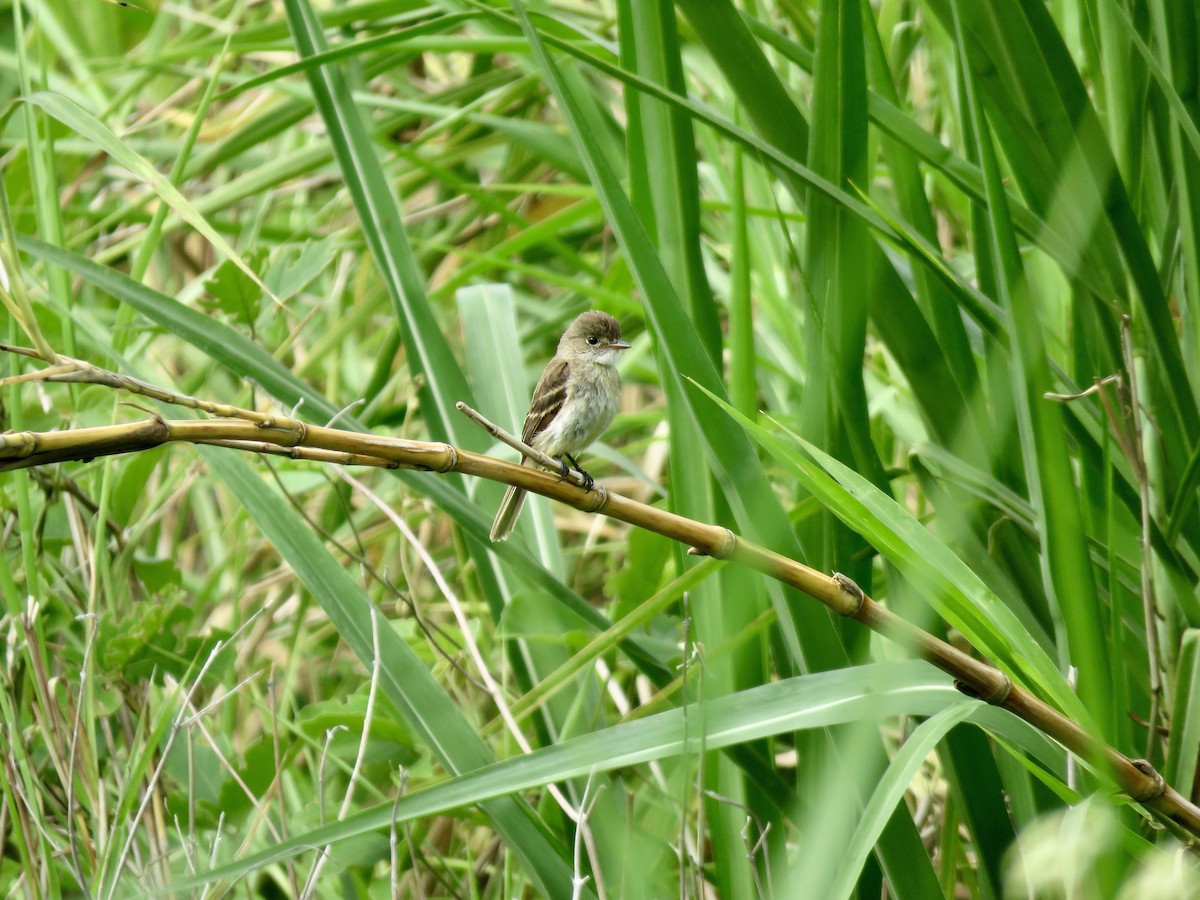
[890, 793]
[946, 582]
[1068, 577]
[808, 630]
[866, 693]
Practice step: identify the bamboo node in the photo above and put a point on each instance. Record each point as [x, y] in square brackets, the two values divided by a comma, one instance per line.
[998, 696]
[848, 587]
[728, 545]
[24, 441]
[598, 496]
[452, 456]
[1158, 785]
[722, 550]
[1003, 691]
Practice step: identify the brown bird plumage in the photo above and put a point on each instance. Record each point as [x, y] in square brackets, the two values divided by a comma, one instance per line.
[574, 401]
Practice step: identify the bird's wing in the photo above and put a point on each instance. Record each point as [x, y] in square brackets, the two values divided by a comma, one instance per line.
[548, 398]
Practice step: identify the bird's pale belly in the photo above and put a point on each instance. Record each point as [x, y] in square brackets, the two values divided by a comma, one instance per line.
[587, 412]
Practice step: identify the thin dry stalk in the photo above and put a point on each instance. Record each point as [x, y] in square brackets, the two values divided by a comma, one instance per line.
[1149, 607]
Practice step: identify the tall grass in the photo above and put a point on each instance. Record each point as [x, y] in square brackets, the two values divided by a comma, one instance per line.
[942, 254]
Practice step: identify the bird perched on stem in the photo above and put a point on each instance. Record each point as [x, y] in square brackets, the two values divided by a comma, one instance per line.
[574, 402]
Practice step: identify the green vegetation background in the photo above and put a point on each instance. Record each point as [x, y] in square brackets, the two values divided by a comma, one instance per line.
[940, 256]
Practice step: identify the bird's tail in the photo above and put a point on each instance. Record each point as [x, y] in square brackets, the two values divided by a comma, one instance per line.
[506, 516]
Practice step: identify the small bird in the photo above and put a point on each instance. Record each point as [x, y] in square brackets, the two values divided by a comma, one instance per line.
[574, 402]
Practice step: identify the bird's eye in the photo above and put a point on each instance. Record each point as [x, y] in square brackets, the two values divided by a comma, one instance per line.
[593, 340]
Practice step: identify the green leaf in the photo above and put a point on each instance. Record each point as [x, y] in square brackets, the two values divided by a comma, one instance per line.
[866, 693]
[350, 713]
[890, 793]
[154, 639]
[156, 573]
[946, 583]
[1183, 746]
[425, 706]
[235, 293]
[292, 268]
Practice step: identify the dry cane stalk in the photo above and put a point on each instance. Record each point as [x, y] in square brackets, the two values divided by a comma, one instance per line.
[262, 433]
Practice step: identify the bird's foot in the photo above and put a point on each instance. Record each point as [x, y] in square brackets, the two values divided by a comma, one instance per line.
[588, 481]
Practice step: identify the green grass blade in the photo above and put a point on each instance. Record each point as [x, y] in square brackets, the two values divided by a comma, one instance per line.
[1068, 576]
[838, 259]
[730, 455]
[864, 694]
[956, 592]
[422, 702]
[890, 793]
[428, 353]
[1184, 742]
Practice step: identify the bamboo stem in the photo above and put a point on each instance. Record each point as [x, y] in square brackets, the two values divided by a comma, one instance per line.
[291, 437]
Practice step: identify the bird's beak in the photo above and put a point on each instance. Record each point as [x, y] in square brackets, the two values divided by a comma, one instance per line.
[618, 345]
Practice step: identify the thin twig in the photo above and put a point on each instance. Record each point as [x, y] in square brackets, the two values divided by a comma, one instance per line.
[164, 755]
[584, 838]
[1149, 607]
[545, 460]
[376, 667]
[68, 370]
[491, 684]
[1097, 387]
